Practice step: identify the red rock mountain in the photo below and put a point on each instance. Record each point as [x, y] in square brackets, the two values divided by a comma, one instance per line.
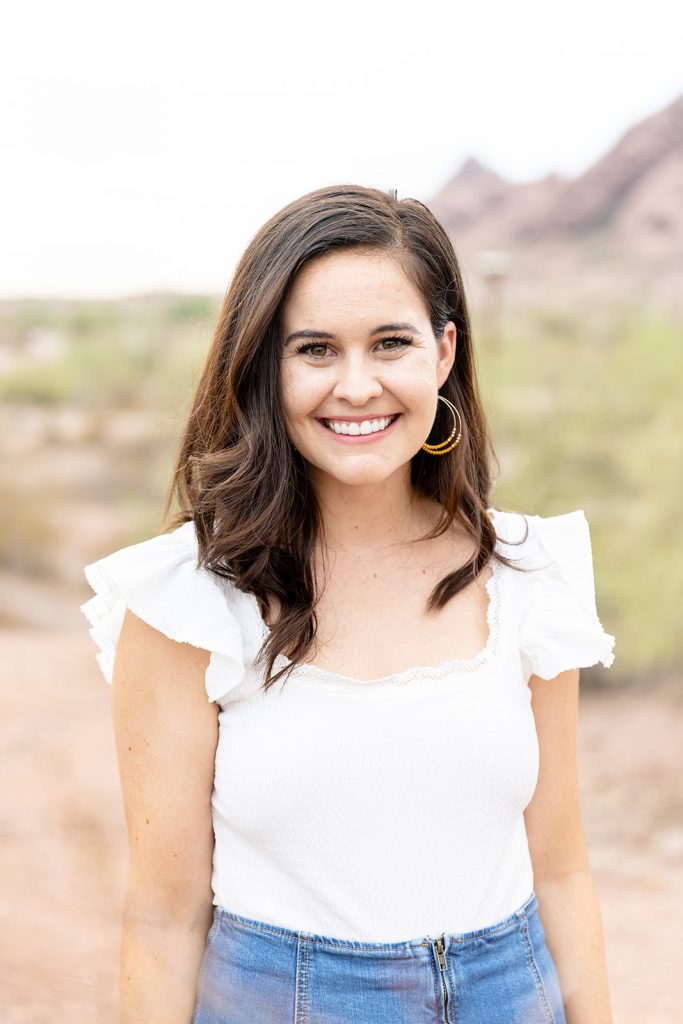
[614, 231]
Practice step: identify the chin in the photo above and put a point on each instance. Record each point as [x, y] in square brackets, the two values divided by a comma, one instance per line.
[357, 476]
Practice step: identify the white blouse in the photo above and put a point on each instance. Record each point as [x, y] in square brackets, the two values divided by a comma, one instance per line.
[377, 810]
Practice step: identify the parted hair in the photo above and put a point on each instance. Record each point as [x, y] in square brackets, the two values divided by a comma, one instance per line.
[236, 474]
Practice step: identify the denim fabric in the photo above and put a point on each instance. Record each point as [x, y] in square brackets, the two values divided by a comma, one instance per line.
[253, 972]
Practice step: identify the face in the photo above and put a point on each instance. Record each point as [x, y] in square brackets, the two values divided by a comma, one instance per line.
[360, 388]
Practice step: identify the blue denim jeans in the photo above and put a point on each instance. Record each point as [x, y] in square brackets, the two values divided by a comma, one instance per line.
[253, 972]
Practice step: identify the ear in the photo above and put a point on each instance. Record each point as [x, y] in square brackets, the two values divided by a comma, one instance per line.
[446, 352]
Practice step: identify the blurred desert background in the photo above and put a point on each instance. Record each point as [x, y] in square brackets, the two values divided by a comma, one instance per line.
[577, 305]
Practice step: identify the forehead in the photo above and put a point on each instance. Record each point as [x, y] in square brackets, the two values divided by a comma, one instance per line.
[353, 286]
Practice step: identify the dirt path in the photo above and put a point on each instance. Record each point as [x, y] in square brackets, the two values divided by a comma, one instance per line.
[63, 849]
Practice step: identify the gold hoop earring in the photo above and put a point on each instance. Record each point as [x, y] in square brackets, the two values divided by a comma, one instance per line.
[433, 449]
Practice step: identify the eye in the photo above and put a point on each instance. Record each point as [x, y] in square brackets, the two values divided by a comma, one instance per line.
[307, 349]
[402, 343]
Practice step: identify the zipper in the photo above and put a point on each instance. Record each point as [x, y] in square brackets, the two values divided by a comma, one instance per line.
[441, 957]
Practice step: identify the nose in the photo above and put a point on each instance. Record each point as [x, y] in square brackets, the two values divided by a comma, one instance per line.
[357, 380]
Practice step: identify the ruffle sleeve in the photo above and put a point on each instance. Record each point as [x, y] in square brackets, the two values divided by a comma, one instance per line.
[559, 624]
[158, 579]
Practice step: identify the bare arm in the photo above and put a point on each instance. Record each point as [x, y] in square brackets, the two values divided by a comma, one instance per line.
[567, 900]
[166, 733]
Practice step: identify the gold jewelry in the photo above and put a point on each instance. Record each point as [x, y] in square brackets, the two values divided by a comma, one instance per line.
[433, 449]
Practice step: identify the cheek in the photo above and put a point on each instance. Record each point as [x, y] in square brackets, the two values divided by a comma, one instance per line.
[301, 390]
[415, 379]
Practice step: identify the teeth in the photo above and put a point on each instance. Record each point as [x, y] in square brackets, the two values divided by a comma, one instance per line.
[364, 427]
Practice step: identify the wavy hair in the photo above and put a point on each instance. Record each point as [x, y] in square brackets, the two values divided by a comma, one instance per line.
[235, 472]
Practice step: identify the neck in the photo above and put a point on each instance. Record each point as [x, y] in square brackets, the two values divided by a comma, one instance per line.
[372, 519]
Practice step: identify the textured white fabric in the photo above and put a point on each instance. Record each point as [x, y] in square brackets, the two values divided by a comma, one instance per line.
[375, 810]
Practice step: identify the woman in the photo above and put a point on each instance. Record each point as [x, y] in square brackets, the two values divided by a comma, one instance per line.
[374, 816]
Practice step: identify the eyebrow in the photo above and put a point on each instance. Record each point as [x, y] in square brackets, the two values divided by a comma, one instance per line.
[326, 334]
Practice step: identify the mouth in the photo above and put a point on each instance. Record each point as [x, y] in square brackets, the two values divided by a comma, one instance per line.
[359, 431]
[359, 428]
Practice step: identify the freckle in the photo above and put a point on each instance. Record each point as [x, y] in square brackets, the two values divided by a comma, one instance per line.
[146, 821]
[130, 748]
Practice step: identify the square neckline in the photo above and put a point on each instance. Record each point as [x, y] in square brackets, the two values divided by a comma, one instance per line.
[308, 671]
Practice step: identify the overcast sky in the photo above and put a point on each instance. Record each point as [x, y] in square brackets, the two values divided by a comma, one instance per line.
[144, 143]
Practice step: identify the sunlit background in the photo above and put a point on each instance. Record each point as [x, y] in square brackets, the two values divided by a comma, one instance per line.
[142, 146]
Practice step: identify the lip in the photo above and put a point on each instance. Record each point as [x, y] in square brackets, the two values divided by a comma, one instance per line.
[358, 438]
[359, 419]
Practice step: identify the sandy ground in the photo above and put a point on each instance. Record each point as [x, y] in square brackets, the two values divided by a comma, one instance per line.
[63, 842]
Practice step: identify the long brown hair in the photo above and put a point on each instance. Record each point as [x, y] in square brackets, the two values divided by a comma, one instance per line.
[236, 474]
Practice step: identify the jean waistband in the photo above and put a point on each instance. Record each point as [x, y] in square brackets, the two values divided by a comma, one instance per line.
[421, 943]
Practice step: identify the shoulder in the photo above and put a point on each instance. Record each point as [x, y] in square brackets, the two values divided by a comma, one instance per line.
[559, 543]
[556, 605]
[160, 581]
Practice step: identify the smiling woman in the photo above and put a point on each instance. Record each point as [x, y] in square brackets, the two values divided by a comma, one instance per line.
[352, 826]
[347, 308]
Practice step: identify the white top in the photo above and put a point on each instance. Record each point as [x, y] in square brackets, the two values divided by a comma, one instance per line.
[378, 810]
